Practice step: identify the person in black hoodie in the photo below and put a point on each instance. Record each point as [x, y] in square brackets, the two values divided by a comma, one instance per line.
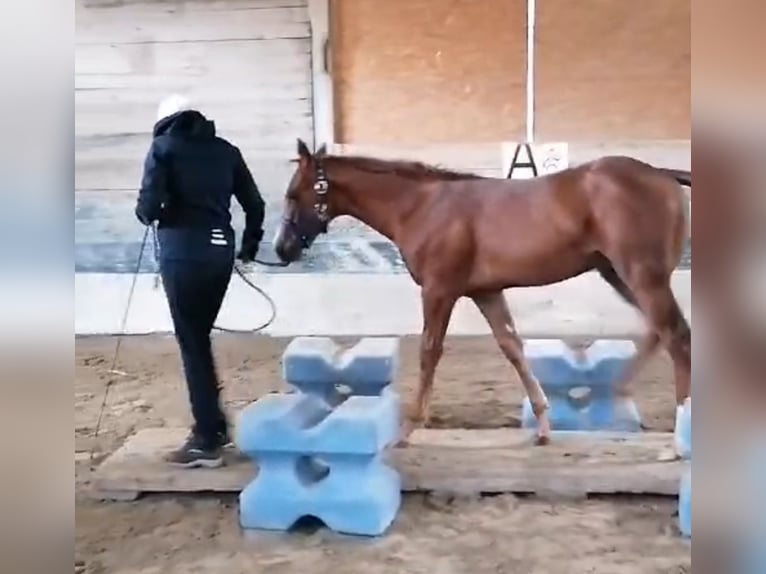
[190, 175]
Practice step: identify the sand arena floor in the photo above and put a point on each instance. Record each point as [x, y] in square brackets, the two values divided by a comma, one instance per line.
[475, 387]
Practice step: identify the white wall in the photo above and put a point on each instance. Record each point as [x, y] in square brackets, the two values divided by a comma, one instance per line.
[358, 304]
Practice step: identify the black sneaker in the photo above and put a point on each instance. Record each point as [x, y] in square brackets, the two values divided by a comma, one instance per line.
[222, 436]
[224, 440]
[194, 453]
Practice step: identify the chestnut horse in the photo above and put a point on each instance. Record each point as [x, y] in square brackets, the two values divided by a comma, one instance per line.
[462, 235]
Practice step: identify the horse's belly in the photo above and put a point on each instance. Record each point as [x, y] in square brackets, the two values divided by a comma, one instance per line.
[510, 268]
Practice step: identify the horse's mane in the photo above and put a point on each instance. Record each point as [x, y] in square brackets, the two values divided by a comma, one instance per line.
[409, 169]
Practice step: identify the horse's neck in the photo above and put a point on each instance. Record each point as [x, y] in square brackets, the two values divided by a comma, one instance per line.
[381, 200]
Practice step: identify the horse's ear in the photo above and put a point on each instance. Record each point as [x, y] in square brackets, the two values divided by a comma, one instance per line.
[322, 150]
[303, 150]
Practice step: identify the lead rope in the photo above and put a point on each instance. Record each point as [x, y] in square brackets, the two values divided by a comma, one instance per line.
[157, 280]
[113, 369]
[238, 270]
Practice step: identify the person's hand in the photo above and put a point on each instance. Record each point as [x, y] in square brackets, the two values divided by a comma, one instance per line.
[250, 244]
[247, 253]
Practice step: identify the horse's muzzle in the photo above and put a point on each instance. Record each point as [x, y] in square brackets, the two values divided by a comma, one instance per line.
[288, 246]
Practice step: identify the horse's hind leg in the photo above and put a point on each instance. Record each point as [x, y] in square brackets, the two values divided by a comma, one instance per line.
[658, 303]
[664, 315]
[495, 310]
[648, 344]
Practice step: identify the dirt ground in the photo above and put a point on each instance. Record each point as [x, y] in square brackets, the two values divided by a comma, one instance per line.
[433, 534]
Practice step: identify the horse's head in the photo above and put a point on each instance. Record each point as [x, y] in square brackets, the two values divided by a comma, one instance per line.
[307, 207]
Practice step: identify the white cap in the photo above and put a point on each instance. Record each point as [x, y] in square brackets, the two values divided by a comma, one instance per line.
[173, 104]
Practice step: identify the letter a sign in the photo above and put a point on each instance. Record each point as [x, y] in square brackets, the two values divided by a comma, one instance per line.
[536, 159]
[516, 162]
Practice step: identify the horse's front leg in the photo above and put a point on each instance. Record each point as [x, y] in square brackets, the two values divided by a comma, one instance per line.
[437, 309]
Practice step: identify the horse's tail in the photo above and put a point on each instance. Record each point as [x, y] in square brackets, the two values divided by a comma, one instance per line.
[681, 176]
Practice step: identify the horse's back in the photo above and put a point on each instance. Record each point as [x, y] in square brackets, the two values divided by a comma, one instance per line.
[635, 206]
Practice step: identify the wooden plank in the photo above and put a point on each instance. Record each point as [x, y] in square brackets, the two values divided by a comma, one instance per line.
[272, 176]
[168, 23]
[210, 59]
[119, 158]
[265, 97]
[264, 102]
[196, 5]
[246, 79]
[458, 461]
[256, 146]
[280, 122]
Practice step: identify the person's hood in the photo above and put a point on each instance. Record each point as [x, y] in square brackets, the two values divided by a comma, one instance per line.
[186, 123]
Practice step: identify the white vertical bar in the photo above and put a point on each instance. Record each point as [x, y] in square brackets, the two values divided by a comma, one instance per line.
[319, 15]
[531, 8]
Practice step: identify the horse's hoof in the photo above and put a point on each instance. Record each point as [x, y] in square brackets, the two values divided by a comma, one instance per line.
[405, 431]
[668, 455]
[542, 440]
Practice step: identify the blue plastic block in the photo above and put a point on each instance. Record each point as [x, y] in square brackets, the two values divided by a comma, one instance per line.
[685, 501]
[683, 431]
[295, 423]
[753, 555]
[358, 495]
[315, 365]
[751, 501]
[581, 385]
[316, 460]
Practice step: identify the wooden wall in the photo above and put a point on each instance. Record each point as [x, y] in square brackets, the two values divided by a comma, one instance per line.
[247, 63]
[613, 70]
[428, 71]
[443, 72]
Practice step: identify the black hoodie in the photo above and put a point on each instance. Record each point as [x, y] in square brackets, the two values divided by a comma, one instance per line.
[189, 177]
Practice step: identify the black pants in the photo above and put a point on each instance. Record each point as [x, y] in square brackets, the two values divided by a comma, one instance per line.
[195, 292]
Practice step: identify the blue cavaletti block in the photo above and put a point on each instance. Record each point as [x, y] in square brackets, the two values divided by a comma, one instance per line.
[581, 386]
[685, 501]
[315, 365]
[750, 501]
[683, 444]
[683, 431]
[320, 457]
[348, 496]
[753, 556]
[301, 424]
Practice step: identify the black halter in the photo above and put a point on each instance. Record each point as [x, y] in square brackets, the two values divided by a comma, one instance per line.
[308, 228]
[321, 187]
